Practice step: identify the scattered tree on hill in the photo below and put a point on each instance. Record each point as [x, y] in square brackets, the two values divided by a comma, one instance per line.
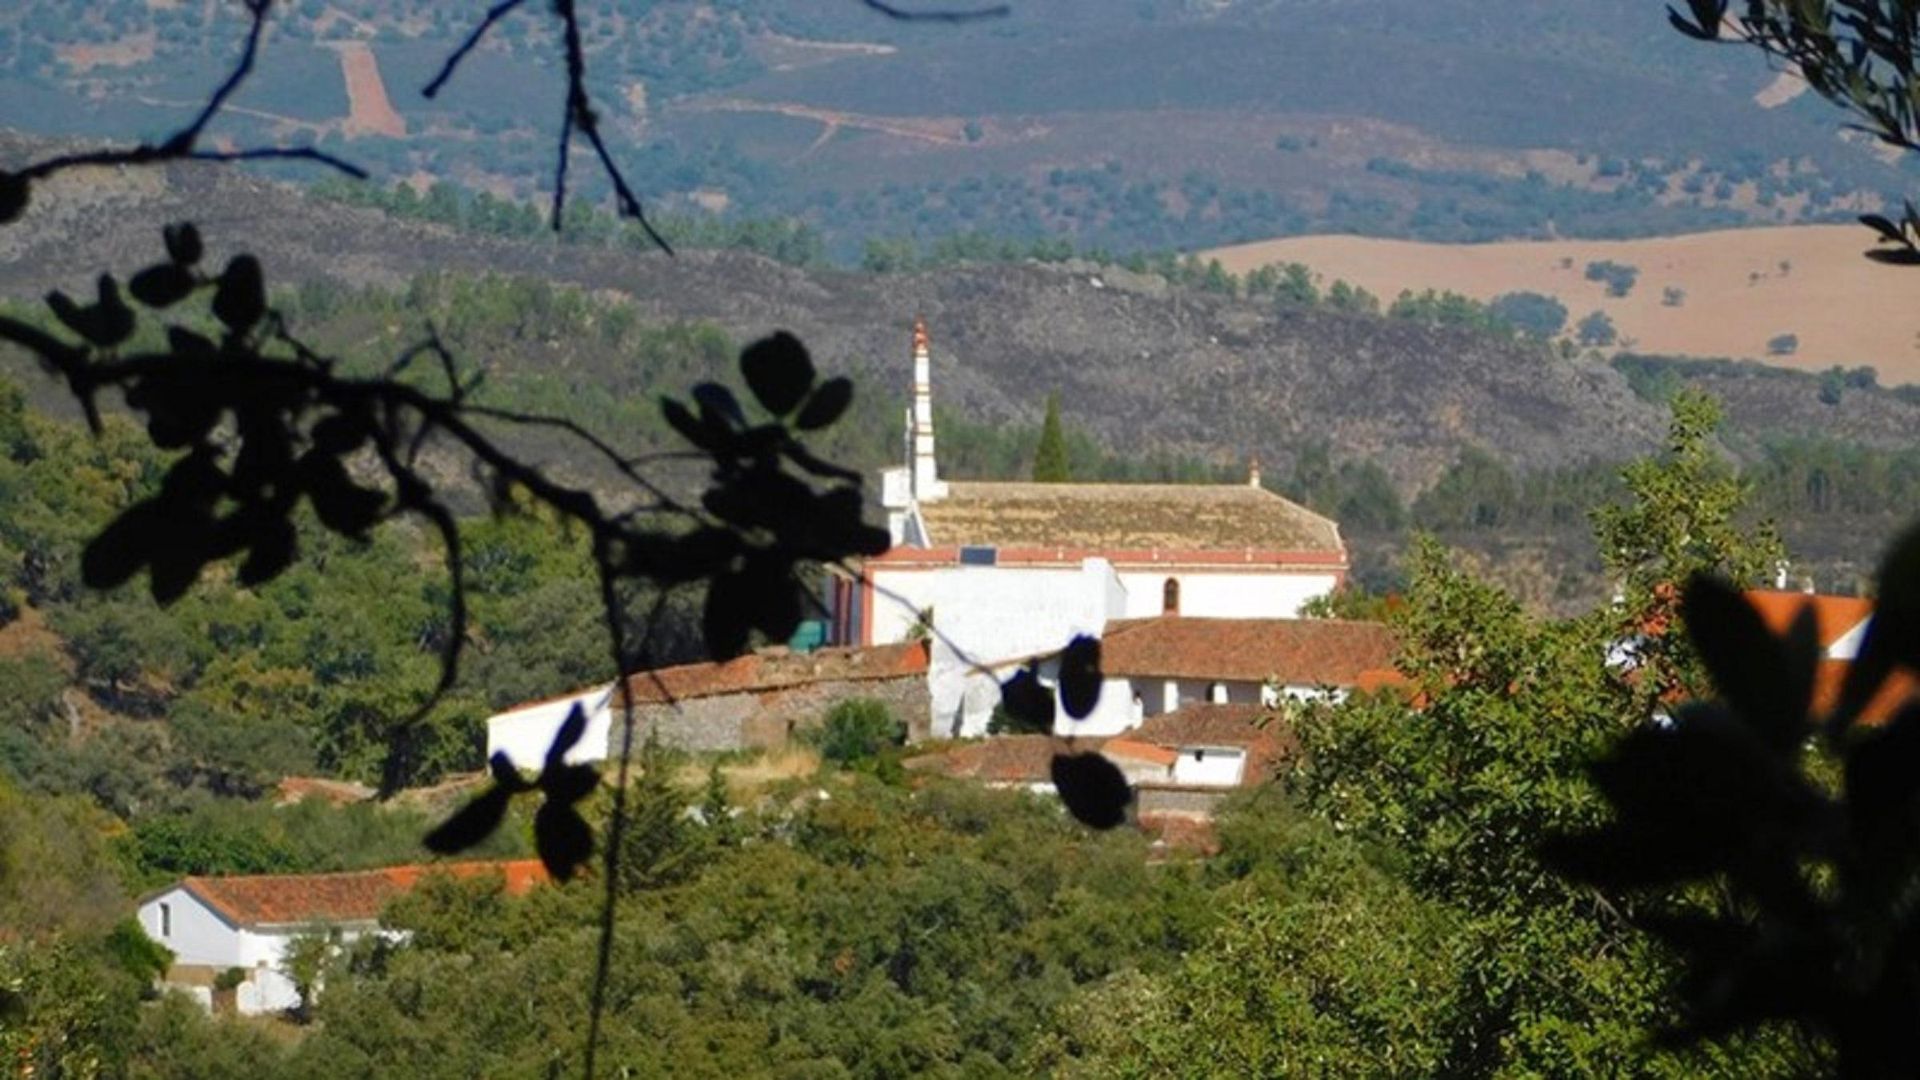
[1534, 314]
[1858, 54]
[1833, 385]
[1597, 331]
[1783, 344]
[1344, 297]
[1619, 277]
[1050, 456]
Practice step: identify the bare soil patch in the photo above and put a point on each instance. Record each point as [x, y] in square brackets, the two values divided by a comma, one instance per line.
[1740, 289]
[369, 110]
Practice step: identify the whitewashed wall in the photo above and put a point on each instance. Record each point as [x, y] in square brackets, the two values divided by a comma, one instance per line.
[987, 615]
[1209, 766]
[198, 934]
[525, 734]
[1226, 594]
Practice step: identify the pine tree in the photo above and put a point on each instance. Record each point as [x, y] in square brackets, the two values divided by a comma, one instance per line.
[1050, 458]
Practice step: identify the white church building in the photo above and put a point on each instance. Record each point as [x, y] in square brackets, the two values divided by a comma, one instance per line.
[998, 571]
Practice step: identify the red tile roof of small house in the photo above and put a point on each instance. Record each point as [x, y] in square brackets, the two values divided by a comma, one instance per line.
[1002, 759]
[1130, 748]
[766, 669]
[347, 897]
[1295, 652]
[1833, 616]
[1255, 729]
[774, 669]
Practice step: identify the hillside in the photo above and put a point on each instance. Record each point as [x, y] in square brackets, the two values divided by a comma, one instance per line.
[1137, 364]
[1740, 289]
[1168, 124]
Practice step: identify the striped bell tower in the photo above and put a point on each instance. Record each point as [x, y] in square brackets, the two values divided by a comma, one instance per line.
[927, 485]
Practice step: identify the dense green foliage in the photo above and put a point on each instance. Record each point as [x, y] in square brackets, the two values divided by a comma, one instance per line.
[1050, 465]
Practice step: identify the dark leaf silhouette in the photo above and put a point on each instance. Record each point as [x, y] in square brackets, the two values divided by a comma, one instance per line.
[241, 299]
[113, 557]
[728, 618]
[1080, 676]
[826, 405]
[1893, 634]
[162, 285]
[565, 739]
[272, 545]
[694, 429]
[718, 403]
[1882, 772]
[1095, 791]
[1028, 701]
[187, 343]
[183, 243]
[562, 838]
[1751, 668]
[14, 194]
[105, 323]
[778, 371]
[1886, 228]
[472, 823]
[343, 506]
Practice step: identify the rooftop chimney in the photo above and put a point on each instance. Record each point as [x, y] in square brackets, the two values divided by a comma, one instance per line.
[1253, 471]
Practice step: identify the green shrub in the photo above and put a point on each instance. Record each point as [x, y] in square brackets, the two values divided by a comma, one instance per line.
[857, 731]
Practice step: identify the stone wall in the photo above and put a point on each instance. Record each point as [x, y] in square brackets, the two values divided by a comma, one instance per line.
[1160, 799]
[766, 719]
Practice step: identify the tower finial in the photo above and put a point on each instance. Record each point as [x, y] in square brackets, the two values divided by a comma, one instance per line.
[1253, 471]
[920, 341]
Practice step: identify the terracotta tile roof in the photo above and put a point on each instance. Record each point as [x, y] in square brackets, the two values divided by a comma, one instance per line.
[1265, 738]
[1297, 652]
[768, 669]
[776, 668]
[353, 896]
[1001, 759]
[1125, 746]
[1899, 688]
[1833, 616]
[1129, 517]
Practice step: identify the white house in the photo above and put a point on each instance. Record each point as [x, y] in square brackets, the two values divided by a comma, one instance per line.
[1005, 570]
[1164, 664]
[214, 925]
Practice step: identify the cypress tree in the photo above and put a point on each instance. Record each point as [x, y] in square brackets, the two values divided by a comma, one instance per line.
[1050, 458]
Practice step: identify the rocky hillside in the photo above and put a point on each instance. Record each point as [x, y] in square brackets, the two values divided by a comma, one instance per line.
[1141, 366]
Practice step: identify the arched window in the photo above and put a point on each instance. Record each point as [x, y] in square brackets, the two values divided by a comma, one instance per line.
[1170, 597]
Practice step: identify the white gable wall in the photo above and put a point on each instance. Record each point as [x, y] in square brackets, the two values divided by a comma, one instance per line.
[524, 735]
[1209, 766]
[1227, 594]
[195, 933]
[986, 615]
[1847, 645]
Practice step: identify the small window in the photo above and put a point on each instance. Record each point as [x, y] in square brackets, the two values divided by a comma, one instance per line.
[979, 556]
[166, 920]
[1170, 597]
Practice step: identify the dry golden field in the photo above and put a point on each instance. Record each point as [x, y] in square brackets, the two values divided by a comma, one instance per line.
[1742, 288]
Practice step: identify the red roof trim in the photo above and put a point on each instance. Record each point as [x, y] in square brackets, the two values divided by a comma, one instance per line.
[349, 896]
[903, 557]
